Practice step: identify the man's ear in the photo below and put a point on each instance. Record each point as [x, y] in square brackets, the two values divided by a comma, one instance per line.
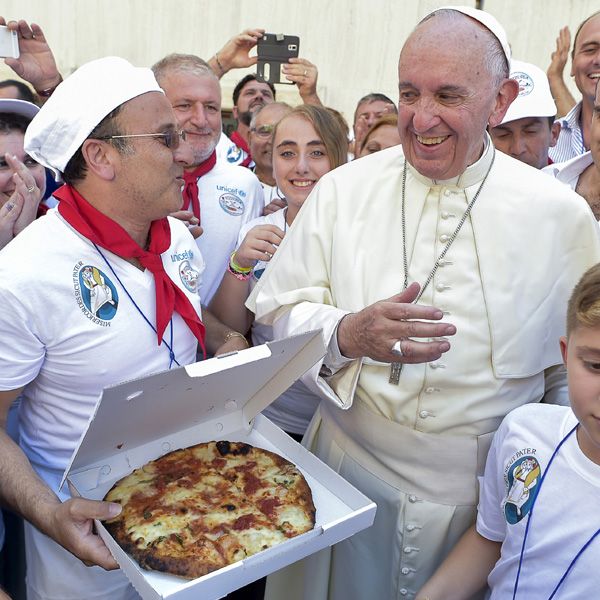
[100, 157]
[563, 342]
[234, 112]
[508, 91]
[554, 133]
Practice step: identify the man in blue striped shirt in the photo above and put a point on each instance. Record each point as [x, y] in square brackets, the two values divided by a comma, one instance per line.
[574, 136]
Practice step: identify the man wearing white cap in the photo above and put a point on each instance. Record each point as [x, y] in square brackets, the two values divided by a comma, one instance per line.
[528, 128]
[92, 295]
[440, 257]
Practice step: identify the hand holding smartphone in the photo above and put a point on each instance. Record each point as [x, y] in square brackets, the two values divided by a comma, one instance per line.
[274, 50]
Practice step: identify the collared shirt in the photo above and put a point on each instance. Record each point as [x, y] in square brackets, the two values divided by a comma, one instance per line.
[569, 171]
[570, 140]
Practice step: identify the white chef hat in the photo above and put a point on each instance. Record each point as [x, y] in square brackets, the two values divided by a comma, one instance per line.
[535, 98]
[78, 104]
[488, 21]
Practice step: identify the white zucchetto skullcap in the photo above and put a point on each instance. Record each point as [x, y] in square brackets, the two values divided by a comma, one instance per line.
[487, 20]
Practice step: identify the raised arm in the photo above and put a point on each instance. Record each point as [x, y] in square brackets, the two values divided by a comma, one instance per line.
[304, 74]
[558, 59]
[235, 54]
[36, 63]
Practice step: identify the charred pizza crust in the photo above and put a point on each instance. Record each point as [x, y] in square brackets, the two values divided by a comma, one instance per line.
[201, 508]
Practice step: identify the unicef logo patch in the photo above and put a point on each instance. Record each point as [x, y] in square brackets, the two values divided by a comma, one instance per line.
[522, 479]
[232, 205]
[189, 276]
[95, 293]
[525, 83]
[234, 154]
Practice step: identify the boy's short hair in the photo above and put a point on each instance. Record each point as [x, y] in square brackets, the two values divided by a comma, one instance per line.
[584, 304]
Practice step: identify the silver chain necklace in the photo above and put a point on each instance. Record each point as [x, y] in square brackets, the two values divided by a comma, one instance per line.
[396, 368]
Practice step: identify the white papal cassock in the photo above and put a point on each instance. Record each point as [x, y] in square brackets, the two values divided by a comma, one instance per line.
[416, 449]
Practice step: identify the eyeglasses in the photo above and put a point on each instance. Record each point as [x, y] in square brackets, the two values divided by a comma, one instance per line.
[171, 138]
[264, 131]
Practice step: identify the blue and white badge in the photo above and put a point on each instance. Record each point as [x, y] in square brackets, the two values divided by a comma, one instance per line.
[95, 293]
[521, 478]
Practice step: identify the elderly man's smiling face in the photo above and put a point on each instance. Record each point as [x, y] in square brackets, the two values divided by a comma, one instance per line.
[447, 96]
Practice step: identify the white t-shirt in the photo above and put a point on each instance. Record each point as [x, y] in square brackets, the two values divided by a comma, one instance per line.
[271, 193]
[565, 514]
[69, 330]
[294, 409]
[230, 197]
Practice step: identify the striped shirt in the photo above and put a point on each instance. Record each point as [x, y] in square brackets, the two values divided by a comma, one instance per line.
[570, 140]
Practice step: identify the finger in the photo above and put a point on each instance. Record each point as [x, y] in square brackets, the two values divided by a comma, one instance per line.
[196, 231]
[419, 352]
[418, 329]
[37, 32]
[96, 553]
[408, 295]
[82, 509]
[25, 30]
[11, 210]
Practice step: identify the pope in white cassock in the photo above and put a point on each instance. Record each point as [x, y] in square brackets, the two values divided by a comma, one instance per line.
[439, 273]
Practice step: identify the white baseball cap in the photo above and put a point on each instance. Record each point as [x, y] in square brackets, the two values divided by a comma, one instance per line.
[487, 20]
[78, 104]
[535, 98]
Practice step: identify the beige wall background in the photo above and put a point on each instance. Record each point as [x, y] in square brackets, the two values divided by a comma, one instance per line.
[355, 43]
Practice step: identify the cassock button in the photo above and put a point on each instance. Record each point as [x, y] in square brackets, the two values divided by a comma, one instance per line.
[447, 192]
[444, 238]
[410, 527]
[440, 287]
[445, 214]
[403, 591]
[405, 570]
[423, 414]
[412, 498]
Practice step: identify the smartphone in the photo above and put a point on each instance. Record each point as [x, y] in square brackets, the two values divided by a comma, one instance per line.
[274, 50]
[9, 43]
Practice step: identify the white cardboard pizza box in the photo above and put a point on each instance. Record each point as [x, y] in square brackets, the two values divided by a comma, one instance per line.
[218, 399]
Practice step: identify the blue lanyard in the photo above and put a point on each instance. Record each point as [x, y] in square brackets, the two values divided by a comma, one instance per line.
[172, 358]
[581, 550]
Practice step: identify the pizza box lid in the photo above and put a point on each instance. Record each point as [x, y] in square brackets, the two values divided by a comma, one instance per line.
[140, 420]
[230, 389]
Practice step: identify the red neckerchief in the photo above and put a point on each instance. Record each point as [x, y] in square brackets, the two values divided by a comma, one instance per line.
[190, 190]
[240, 142]
[104, 232]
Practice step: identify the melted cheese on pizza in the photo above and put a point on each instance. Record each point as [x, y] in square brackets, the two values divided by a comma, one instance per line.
[198, 509]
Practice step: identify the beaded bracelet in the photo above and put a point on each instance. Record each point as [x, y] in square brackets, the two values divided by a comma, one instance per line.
[240, 276]
[241, 273]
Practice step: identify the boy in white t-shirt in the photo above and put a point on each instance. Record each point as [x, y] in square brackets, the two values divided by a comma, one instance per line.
[537, 534]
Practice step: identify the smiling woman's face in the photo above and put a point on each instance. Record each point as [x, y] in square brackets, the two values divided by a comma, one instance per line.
[12, 143]
[299, 158]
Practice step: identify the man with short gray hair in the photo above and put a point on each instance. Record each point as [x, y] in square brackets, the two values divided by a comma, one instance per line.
[223, 197]
[440, 283]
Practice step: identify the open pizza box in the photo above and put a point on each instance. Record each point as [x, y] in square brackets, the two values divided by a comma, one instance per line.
[218, 399]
